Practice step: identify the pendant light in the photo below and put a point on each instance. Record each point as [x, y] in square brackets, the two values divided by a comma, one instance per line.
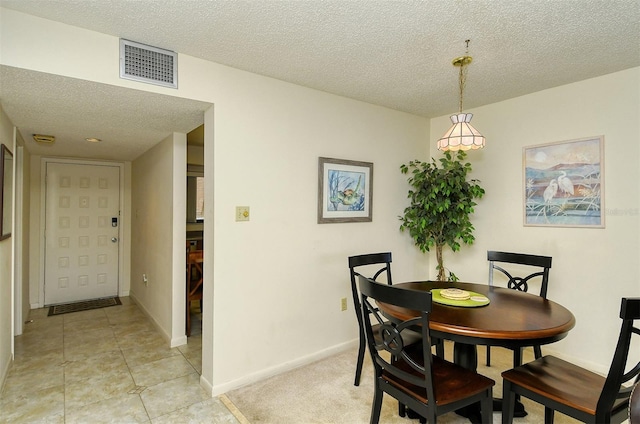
[462, 135]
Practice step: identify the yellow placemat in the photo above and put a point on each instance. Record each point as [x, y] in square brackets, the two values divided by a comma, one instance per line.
[475, 300]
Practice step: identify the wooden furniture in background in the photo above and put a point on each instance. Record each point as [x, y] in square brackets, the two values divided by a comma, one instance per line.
[195, 260]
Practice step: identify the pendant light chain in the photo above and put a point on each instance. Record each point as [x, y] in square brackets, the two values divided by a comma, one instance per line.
[461, 82]
[462, 79]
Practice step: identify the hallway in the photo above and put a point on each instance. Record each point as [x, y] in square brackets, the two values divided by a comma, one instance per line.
[105, 365]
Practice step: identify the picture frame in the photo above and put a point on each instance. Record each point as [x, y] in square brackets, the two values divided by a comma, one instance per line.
[564, 184]
[345, 191]
[6, 191]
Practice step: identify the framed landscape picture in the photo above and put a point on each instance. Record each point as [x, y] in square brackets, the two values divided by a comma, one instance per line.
[564, 183]
[345, 190]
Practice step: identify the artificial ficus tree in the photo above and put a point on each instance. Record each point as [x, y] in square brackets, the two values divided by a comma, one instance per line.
[441, 205]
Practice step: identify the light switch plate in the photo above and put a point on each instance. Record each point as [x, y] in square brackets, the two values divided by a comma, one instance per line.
[242, 213]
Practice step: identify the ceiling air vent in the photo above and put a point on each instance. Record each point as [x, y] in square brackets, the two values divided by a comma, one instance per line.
[152, 65]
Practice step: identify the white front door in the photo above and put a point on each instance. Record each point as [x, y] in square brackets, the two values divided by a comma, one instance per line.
[82, 221]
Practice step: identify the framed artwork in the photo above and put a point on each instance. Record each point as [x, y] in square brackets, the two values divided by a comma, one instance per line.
[564, 184]
[6, 191]
[345, 190]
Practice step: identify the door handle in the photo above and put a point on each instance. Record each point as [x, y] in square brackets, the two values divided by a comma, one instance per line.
[114, 239]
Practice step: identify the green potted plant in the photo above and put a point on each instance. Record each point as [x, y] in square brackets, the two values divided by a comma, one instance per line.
[442, 201]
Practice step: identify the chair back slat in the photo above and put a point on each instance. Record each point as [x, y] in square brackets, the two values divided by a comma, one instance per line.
[615, 386]
[520, 258]
[369, 259]
[541, 263]
[417, 300]
[383, 259]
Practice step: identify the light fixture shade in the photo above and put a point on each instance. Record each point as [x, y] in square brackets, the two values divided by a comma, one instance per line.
[462, 135]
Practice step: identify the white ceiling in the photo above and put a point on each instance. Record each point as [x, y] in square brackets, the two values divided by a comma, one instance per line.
[391, 53]
[128, 121]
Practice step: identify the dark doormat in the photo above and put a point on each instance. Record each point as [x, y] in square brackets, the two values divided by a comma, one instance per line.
[85, 305]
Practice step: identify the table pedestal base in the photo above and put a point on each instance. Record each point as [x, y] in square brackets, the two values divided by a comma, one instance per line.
[466, 355]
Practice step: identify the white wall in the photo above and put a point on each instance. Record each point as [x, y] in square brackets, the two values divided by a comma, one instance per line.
[6, 259]
[592, 268]
[156, 204]
[274, 283]
[281, 275]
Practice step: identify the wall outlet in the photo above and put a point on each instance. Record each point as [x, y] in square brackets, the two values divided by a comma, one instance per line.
[343, 304]
[145, 280]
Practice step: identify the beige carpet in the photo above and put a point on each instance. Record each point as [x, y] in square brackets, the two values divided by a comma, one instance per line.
[323, 392]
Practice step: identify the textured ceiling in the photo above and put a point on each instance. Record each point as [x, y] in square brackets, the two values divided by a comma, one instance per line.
[128, 121]
[392, 53]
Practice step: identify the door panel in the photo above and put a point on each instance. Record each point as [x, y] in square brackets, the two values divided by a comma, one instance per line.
[82, 207]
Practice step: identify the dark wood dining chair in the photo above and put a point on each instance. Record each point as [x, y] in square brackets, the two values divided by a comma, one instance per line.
[195, 260]
[534, 267]
[383, 262]
[407, 370]
[584, 395]
[381, 265]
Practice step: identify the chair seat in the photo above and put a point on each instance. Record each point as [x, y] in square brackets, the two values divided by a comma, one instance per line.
[561, 381]
[451, 382]
[575, 391]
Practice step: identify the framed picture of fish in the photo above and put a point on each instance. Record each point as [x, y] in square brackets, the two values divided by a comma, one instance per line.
[564, 183]
[345, 191]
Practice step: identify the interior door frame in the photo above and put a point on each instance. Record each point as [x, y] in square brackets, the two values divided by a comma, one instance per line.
[18, 241]
[43, 195]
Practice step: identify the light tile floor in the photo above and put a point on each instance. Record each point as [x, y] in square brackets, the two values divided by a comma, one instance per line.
[111, 366]
[106, 365]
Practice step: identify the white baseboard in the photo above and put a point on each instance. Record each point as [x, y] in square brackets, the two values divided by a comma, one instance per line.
[206, 385]
[167, 337]
[5, 372]
[219, 389]
[216, 390]
[178, 341]
[589, 365]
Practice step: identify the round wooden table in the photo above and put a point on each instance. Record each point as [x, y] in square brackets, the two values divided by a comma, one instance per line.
[512, 319]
